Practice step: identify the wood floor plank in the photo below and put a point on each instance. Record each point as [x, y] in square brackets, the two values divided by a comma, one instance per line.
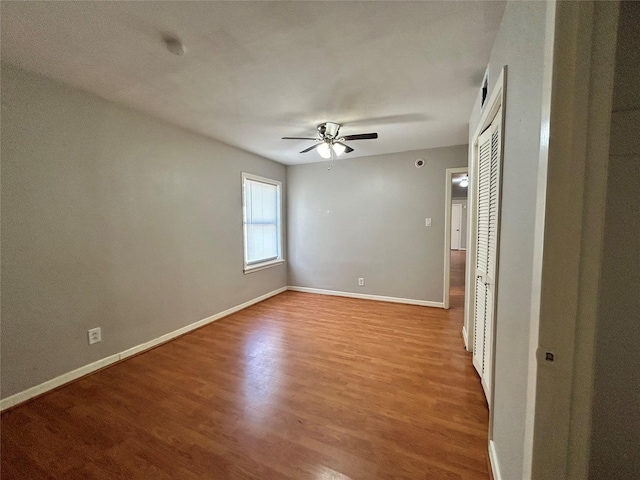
[300, 386]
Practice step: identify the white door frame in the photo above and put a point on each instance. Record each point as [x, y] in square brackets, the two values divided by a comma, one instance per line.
[447, 232]
[577, 106]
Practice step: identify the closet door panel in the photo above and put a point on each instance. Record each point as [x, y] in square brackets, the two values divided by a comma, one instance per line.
[492, 257]
[488, 201]
[482, 248]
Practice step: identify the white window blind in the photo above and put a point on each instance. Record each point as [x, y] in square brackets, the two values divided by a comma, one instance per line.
[262, 236]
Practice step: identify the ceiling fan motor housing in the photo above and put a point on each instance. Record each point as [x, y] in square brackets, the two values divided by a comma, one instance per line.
[329, 129]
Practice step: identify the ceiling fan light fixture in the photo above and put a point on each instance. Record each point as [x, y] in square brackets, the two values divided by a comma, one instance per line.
[464, 183]
[339, 148]
[324, 150]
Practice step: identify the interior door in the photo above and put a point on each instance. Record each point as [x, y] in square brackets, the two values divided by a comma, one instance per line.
[489, 171]
[456, 226]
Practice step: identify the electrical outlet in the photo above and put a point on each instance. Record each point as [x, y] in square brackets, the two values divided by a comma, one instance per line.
[95, 335]
[361, 282]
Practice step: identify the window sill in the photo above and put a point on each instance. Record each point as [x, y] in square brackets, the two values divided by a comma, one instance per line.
[262, 266]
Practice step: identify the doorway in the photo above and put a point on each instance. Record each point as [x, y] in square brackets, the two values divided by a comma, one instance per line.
[457, 181]
[459, 187]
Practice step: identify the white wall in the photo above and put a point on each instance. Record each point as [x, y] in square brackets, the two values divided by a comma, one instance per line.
[366, 218]
[519, 44]
[111, 219]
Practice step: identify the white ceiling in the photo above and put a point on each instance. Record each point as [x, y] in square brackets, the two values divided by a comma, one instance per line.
[257, 71]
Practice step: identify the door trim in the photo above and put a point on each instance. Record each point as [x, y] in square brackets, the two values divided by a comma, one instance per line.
[577, 109]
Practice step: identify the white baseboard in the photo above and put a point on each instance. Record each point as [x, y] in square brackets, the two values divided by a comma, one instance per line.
[493, 458]
[380, 298]
[465, 337]
[198, 324]
[92, 367]
[56, 382]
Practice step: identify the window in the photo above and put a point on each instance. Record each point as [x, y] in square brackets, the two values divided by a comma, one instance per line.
[261, 221]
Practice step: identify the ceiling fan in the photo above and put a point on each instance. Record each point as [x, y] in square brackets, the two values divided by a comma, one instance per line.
[330, 141]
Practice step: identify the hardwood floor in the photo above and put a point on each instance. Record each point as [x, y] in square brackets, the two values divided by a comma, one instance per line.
[300, 386]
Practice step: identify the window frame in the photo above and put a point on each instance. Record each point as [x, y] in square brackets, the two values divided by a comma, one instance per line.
[250, 267]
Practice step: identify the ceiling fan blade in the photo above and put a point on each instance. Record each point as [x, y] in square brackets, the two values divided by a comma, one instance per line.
[347, 148]
[299, 138]
[311, 147]
[361, 136]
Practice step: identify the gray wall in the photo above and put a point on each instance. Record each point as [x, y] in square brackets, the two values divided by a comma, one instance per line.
[111, 218]
[520, 45]
[366, 218]
[616, 405]
[463, 202]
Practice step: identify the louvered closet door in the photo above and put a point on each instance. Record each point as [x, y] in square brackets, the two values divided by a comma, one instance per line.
[482, 232]
[489, 166]
[492, 254]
